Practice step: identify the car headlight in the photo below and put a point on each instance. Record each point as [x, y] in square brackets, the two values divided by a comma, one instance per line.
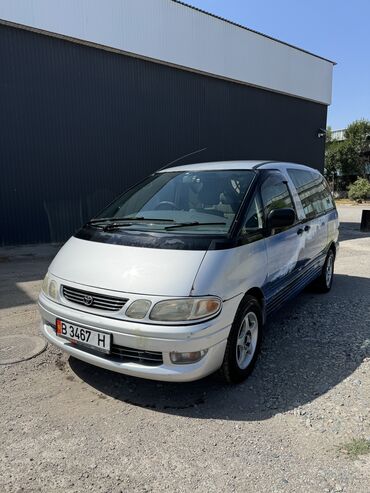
[185, 309]
[45, 285]
[53, 290]
[50, 288]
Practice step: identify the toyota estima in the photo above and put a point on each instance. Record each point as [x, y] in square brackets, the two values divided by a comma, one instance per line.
[175, 278]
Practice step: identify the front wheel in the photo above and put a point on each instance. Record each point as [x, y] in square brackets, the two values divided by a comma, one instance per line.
[244, 342]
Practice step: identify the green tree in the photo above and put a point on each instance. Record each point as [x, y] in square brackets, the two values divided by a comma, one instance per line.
[332, 163]
[359, 190]
[329, 134]
[358, 133]
[341, 156]
[348, 156]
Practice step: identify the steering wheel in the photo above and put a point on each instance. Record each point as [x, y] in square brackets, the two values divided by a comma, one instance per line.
[166, 205]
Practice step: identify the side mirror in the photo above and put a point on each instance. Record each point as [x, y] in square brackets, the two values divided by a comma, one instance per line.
[280, 218]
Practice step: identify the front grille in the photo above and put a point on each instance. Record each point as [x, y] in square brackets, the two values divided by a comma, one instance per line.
[127, 354]
[93, 300]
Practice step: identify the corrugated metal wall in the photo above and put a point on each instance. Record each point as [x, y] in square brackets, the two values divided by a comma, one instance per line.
[78, 125]
[184, 36]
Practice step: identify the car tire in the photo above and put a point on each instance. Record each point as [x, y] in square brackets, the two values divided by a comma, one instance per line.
[244, 341]
[324, 282]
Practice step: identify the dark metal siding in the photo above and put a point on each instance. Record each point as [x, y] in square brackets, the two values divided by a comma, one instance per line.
[78, 125]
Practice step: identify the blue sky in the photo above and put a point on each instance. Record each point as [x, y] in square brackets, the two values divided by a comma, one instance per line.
[338, 30]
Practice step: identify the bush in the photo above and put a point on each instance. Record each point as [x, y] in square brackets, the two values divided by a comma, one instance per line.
[359, 190]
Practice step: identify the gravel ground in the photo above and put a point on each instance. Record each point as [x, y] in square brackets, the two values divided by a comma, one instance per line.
[67, 426]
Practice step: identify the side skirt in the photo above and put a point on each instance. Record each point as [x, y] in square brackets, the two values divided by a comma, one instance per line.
[294, 286]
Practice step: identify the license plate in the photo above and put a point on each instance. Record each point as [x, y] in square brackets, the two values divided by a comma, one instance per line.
[94, 339]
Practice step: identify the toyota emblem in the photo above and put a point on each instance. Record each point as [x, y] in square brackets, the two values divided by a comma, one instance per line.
[88, 300]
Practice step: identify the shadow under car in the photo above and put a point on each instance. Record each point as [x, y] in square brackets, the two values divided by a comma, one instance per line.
[310, 346]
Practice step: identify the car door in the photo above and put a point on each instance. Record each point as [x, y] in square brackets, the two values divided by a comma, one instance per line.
[286, 255]
[311, 189]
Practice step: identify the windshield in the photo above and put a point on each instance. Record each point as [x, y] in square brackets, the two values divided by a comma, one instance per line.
[195, 202]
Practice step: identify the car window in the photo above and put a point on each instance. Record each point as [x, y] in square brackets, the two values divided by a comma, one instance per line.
[197, 201]
[254, 218]
[313, 191]
[275, 193]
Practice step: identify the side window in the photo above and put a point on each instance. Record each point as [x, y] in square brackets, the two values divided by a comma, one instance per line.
[275, 193]
[327, 196]
[253, 221]
[313, 192]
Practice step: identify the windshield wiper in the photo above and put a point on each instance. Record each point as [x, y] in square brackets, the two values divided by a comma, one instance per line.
[113, 226]
[116, 223]
[194, 223]
[131, 219]
[122, 222]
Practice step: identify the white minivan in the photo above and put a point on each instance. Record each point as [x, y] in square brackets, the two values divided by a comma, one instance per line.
[175, 278]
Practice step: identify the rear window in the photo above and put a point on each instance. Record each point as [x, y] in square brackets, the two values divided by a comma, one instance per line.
[313, 192]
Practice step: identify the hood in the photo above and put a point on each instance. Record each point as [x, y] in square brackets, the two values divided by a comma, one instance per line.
[128, 269]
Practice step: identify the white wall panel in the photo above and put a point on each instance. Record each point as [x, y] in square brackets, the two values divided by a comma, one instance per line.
[172, 33]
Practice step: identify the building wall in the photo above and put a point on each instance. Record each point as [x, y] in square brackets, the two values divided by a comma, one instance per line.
[180, 35]
[338, 134]
[78, 125]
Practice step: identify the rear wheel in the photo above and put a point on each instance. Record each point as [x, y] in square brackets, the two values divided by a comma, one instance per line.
[324, 282]
[244, 342]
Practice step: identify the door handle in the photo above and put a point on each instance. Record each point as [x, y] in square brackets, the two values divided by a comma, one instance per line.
[299, 231]
[307, 228]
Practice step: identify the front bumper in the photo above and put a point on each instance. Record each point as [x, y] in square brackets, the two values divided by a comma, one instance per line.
[211, 335]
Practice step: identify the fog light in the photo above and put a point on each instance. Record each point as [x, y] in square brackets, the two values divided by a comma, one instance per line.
[187, 358]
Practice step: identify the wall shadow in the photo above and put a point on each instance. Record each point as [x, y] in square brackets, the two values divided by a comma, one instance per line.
[310, 346]
[351, 230]
[12, 276]
[23, 264]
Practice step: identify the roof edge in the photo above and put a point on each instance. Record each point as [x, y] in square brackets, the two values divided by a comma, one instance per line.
[228, 21]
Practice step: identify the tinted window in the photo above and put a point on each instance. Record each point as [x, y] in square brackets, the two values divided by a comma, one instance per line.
[275, 193]
[313, 192]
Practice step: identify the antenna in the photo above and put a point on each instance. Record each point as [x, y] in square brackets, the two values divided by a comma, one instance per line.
[182, 157]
